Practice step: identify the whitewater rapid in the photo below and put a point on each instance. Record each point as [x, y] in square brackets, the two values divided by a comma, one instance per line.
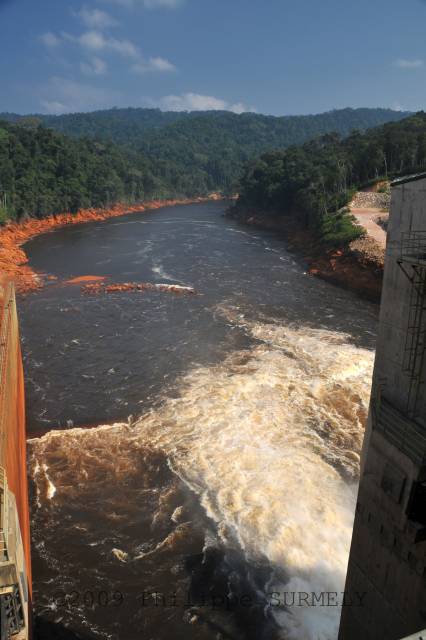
[269, 442]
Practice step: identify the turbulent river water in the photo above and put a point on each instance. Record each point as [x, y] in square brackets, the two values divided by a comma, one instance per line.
[220, 485]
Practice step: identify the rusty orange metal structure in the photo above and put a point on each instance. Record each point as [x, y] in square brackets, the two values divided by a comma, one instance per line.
[14, 521]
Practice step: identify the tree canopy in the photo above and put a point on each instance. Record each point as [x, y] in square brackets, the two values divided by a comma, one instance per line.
[43, 172]
[199, 152]
[314, 182]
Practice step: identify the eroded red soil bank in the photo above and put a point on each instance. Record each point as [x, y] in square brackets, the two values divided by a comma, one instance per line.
[13, 259]
[358, 267]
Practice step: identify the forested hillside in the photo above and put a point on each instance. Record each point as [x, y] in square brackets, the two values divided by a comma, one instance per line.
[317, 180]
[43, 172]
[122, 126]
[219, 143]
[198, 152]
[130, 126]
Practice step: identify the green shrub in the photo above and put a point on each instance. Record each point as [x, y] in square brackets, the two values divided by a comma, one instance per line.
[4, 217]
[339, 229]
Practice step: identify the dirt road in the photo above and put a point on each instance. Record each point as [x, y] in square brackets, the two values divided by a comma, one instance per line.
[367, 218]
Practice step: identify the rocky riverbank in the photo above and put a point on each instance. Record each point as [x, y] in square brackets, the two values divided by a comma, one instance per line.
[358, 267]
[13, 259]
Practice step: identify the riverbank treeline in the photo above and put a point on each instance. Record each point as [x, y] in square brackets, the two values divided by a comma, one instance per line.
[315, 182]
[128, 154]
[43, 172]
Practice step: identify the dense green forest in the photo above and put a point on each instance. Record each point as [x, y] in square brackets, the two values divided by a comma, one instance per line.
[130, 126]
[43, 172]
[199, 152]
[316, 181]
[116, 125]
[218, 144]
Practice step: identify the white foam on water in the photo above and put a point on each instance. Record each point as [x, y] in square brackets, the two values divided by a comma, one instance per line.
[40, 473]
[264, 441]
[159, 270]
[270, 441]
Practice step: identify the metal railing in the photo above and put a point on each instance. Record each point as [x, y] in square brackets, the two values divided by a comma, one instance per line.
[405, 434]
[3, 516]
[413, 247]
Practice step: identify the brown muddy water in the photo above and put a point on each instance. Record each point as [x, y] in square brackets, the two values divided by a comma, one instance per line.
[226, 471]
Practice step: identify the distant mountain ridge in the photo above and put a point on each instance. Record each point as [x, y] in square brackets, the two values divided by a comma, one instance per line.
[131, 125]
[136, 154]
[202, 151]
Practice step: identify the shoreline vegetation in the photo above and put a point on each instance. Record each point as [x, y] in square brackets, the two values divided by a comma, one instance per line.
[304, 192]
[357, 266]
[311, 193]
[14, 263]
[50, 164]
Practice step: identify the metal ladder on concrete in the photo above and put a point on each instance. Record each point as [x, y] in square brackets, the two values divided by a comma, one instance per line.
[413, 264]
[3, 516]
[11, 613]
[415, 343]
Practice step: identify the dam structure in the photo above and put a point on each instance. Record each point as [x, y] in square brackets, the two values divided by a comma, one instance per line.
[387, 563]
[15, 562]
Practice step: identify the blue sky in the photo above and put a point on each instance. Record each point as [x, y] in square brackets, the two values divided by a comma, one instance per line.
[271, 56]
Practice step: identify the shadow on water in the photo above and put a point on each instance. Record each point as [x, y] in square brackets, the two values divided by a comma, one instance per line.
[44, 629]
[153, 545]
[232, 586]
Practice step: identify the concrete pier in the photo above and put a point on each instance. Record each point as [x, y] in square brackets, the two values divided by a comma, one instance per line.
[388, 552]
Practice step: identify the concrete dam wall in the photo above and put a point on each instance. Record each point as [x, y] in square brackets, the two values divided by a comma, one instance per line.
[15, 559]
[387, 562]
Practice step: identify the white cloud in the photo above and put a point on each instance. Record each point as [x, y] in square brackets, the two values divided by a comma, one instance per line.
[121, 3]
[403, 63]
[61, 95]
[49, 39]
[197, 102]
[240, 107]
[96, 19]
[95, 67]
[94, 40]
[54, 107]
[97, 41]
[153, 64]
[154, 4]
[148, 4]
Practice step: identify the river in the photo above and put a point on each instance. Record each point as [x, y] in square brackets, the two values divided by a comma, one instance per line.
[224, 464]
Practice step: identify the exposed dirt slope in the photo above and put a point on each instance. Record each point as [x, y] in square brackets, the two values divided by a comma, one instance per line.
[358, 267]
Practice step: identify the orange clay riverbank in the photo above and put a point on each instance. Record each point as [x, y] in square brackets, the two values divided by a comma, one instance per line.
[13, 259]
[357, 267]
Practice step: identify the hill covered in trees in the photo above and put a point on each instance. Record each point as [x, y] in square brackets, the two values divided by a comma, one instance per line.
[130, 126]
[122, 126]
[219, 143]
[316, 181]
[43, 172]
[197, 152]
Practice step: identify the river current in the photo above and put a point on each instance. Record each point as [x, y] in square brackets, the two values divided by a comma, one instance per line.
[221, 475]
